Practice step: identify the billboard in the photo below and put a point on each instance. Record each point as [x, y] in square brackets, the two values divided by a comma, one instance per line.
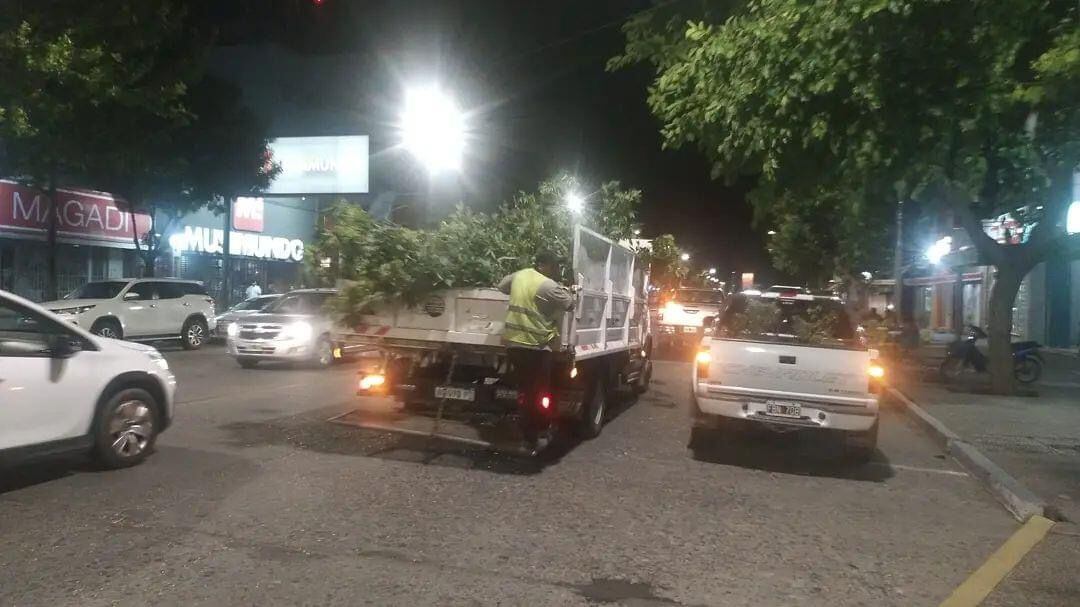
[320, 165]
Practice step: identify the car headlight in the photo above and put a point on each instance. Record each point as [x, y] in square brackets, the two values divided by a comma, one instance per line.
[232, 329]
[73, 311]
[297, 330]
[158, 359]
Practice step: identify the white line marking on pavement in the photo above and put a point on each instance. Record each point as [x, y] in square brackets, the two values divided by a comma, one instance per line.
[919, 469]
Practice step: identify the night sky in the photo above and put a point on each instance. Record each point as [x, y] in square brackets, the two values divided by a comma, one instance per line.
[533, 76]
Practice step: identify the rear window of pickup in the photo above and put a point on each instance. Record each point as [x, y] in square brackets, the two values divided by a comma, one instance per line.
[818, 322]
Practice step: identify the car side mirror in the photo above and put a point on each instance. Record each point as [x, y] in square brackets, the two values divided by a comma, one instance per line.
[64, 346]
[130, 296]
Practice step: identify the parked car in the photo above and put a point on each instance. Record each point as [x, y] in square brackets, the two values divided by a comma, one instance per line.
[787, 362]
[141, 309]
[294, 328]
[241, 310]
[67, 390]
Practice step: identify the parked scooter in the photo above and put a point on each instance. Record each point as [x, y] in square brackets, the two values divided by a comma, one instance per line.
[963, 354]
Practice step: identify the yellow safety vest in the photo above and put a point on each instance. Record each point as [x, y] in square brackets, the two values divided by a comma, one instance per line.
[525, 324]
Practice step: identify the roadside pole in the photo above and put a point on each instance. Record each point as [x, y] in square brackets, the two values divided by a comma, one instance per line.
[226, 275]
[898, 262]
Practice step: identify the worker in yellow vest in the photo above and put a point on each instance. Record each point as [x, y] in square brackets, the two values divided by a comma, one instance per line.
[537, 303]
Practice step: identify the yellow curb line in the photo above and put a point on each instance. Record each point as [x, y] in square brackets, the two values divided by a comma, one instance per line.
[986, 577]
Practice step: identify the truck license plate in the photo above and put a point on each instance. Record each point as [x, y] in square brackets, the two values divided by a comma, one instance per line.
[467, 394]
[782, 408]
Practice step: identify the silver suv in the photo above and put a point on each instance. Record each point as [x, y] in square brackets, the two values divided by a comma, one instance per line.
[141, 309]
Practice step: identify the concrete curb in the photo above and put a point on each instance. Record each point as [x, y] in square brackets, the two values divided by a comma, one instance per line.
[1017, 499]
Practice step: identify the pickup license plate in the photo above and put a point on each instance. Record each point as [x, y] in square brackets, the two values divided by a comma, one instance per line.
[689, 329]
[782, 408]
[467, 394]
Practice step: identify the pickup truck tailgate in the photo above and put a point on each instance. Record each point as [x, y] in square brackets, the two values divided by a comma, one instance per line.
[799, 371]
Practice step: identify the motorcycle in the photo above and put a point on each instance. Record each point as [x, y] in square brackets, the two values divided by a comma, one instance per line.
[963, 354]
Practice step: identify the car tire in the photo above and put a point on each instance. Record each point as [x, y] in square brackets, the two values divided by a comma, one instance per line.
[194, 334]
[324, 353]
[859, 446]
[592, 414]
[107, 327]
[126, 428]
[247, 363]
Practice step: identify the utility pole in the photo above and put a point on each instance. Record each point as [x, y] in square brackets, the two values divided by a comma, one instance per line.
[898, 261]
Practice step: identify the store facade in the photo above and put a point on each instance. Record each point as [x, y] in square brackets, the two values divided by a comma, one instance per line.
[265, 244]
[95, 234]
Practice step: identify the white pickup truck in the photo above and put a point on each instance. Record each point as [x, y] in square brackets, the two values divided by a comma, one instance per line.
[787, 362]
[680, 319]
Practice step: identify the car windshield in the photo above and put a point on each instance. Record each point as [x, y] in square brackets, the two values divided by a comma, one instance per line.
[255, 303]
[814, 322]
[98, 290]
[699, 296]
[300, 303]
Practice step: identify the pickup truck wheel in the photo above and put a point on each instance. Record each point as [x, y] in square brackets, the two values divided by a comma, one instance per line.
[641, 386]
[246, 362]
[860, 446]
[126, 428]
[592, 416]
[194, 333]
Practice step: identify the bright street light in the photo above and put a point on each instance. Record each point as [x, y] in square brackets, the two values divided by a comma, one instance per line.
[433, 129]
[939, 249]
[712, 271]
[575, 202]
[685, 257]
[772, 232]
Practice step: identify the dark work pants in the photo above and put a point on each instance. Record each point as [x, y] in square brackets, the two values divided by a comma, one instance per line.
[531, 370]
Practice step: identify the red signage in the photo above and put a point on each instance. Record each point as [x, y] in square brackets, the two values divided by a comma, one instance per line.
[80, 214]
[248, 214]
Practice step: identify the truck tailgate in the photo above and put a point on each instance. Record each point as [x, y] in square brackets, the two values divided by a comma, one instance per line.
[797, 371]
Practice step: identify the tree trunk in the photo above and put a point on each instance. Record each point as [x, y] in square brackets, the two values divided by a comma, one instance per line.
[1002, 296]
[51, 287]
[149, 257]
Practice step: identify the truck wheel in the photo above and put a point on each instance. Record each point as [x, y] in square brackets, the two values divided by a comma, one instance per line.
[859, 446]
[641, 386]
[592, 415]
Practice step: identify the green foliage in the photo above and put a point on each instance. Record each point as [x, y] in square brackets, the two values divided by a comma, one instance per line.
[667, 271]
[379, 261]
[833, 103]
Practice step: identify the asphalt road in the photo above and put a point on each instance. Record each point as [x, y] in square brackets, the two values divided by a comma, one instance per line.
[253, 498]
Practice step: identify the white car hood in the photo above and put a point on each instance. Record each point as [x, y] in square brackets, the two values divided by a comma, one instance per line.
[60, 304]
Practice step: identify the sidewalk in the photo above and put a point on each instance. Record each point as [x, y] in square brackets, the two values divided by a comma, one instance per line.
[1034, 439]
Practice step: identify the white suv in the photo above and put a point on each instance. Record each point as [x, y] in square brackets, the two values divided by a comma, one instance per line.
[141, 309]
[65, 390]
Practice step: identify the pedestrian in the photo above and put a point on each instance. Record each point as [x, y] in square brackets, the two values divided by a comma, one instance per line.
[253, 290]
[537, 302]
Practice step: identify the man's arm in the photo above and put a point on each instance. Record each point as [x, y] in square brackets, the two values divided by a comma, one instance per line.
[552, 297]
[504, 284]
